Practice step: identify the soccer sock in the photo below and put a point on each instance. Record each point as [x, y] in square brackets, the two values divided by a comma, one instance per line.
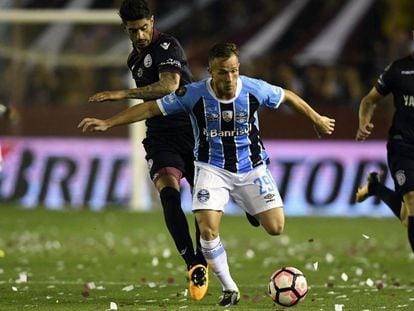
[199, 253]
[216, 257]
[411, 231]
[389, 197]
[177, 224]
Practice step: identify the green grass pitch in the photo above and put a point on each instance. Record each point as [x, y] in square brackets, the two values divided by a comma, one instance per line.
[82, 260]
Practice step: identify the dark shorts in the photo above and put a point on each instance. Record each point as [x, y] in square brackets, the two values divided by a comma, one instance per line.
[401, 164]
[170, 151]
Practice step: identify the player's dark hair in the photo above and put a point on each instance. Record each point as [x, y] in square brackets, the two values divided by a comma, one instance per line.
[224, 50]
[132, 10]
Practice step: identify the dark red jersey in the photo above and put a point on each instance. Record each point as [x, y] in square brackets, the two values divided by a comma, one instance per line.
[398, 79]
[164, 54]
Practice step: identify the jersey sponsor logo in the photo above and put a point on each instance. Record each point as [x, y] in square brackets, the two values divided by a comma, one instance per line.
[407, 72]
[165, 45]
[227, 115]
[203, 195]
[241, 117]
[408, 101]
[181, 91]
[212, 117]
[400, 177]
[229, 133]
[171, 62]
[148, 61]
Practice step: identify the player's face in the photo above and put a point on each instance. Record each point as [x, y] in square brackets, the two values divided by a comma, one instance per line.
[225, 72]
[140, 31]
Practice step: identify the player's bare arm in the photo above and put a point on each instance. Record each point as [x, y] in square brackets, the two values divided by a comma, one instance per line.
[322, 124]
[366, 112]
[168, 82]
[132, 114]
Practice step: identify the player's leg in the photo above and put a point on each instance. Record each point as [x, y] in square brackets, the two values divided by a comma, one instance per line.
[258, 195]
[188, 158]
[210, 196]
[166, 166]
[409, 203]
[167, 184]
[374, 187]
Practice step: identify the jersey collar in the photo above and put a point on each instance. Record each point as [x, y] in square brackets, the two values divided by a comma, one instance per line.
[227, 101]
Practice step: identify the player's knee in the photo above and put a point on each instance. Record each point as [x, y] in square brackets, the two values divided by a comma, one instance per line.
[208, 234]
[409, 202]
[274, 228]
[170, 197]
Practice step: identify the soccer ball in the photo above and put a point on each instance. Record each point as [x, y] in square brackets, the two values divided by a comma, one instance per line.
[288, 286]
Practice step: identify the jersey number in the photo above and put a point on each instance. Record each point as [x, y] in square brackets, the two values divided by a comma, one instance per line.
[265, 184]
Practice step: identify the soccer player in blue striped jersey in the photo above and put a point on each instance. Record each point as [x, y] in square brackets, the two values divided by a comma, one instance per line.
[230, 156]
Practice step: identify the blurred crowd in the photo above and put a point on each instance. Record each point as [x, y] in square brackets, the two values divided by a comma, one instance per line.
[53, 76]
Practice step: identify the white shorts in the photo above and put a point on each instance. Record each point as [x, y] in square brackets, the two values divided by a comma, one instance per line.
[254, 192]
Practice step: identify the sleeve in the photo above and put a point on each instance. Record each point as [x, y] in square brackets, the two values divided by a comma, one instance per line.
[384, 81]
[175, 102]
[170, 56]
[272, 95]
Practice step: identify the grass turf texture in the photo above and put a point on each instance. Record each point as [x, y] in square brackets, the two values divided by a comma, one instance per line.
[62, 251]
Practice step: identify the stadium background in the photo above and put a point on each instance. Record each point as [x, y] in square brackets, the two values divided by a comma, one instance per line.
[329, 52]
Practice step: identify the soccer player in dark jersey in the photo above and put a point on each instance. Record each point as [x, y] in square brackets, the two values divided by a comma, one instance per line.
[398, 79]
[159, 66]
[230, 156]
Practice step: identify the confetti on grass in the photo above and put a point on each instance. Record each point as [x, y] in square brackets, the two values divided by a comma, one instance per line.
[22, 278]
[338, 307]
[113, 306]
[128, 288]
[315, 266]
[365, 236]
[2, 253]
[344, 276]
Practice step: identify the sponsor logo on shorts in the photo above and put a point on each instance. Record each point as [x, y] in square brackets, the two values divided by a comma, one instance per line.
[269, 198]
[203, 195]
[400, 177]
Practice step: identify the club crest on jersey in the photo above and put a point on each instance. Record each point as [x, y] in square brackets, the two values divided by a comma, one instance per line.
[227, 115]
[181, 91]
[241, 117]
[140, 72]
[203, 195]
[400, 177]
[148, 61]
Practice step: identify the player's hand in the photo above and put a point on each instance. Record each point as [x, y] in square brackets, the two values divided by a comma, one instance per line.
[107, 96]
[324, 126]
[93, 125]
[364, 131]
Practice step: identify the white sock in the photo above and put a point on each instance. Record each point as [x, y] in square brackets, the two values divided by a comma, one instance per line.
[216, 258]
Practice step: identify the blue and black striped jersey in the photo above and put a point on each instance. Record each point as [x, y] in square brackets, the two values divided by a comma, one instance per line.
[226, 131]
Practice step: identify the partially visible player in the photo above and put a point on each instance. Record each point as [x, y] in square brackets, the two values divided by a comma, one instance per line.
[230, 156]
[6, 112]
[159, 66]
[398, 79]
